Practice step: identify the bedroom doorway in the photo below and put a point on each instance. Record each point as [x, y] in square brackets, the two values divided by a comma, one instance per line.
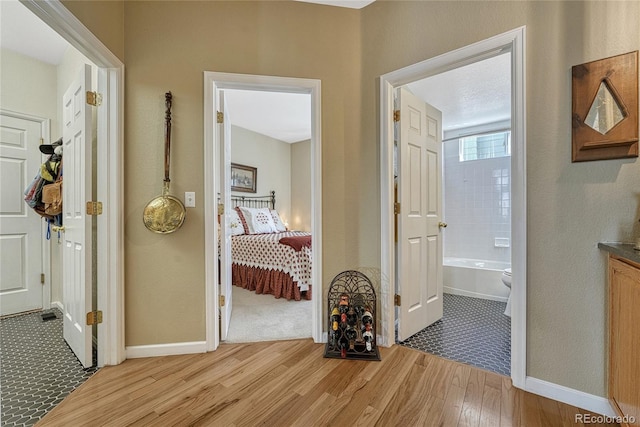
[259, 173]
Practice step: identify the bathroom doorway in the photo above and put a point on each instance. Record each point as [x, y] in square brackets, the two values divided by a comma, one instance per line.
[475, 101]
[511, 42]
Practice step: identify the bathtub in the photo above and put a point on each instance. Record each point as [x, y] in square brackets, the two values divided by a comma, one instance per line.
[475, 278]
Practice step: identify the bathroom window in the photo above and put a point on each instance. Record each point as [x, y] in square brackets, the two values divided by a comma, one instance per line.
[485, 146]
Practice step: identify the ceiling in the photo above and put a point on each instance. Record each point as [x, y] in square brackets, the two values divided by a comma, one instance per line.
[475, 94]
[22, 31]
[472, 95]
[353, 4]
[283, 116]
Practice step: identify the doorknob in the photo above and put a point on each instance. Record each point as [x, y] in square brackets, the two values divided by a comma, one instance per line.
[442, 224]
[55, 228]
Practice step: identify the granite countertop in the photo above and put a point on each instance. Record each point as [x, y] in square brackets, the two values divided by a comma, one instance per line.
[623, 250]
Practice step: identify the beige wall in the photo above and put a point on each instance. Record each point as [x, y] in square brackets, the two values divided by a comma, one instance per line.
[168, 46]
[300, 186]
[571, 207]
[272, 157]
[105, 19]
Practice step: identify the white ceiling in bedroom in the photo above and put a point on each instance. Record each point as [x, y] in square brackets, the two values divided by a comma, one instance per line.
[283, 116]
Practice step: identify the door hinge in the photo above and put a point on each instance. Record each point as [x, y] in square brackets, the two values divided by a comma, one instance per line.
[94, 208]
[396, 208]
[221, 300]
[220, 209]
[220, 117]
[397, 300]
[94, 317]
[396, 115]
[42, 278]
[41, 141]
[94, 98]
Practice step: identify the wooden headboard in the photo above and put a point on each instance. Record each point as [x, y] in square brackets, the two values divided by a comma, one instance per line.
[253, 201]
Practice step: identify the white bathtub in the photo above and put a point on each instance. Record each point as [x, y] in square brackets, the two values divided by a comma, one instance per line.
[475, 278]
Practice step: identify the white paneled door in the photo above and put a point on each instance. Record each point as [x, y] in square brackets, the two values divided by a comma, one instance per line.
[419, 250]
[77, 152]
[21, 237]
[226, 288]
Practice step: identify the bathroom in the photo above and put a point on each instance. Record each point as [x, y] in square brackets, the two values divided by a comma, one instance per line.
[475, 101]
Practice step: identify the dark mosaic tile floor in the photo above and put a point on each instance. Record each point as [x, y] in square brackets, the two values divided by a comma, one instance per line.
[473, 331]
[37, 368]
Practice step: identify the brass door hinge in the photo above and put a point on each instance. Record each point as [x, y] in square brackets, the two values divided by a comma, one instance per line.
[220, 209]
[396, 115]
[221, 300]
[94, 98]
[397, 300]
[220, 117]
[94, 208]
[396, 208]
[42, 278]
[94, 317]
[41, 141]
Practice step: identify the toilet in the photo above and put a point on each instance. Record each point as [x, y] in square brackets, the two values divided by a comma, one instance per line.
[506, 279]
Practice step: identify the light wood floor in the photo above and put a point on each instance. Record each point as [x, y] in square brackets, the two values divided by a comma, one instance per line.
[289, 383]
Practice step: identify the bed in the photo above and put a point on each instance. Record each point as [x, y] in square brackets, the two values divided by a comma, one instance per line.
[268, 260]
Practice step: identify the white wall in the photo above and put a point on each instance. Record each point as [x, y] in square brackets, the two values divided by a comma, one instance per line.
[300, 186]
[272, 157]
[477, 205]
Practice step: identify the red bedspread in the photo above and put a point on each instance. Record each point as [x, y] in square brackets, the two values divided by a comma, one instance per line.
[297, 242]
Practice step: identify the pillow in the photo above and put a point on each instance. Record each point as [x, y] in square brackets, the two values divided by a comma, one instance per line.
[278, 221]
[235, 224]
[259, 220]
[242, 219]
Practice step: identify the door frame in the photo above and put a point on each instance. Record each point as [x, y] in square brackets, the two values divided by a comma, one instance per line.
[214, 81]
[110, 245]
[515, 42]
[45, 131]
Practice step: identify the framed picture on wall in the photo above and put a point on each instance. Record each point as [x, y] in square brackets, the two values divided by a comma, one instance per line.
[243, 178]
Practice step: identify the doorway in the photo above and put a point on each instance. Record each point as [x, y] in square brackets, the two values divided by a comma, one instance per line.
[217, 304]
[512, 42]
[109, 176]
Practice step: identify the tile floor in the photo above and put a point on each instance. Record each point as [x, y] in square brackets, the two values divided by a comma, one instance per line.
[37, 368]
[472, 330]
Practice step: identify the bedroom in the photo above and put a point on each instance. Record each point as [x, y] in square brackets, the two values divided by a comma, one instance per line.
[270, 149]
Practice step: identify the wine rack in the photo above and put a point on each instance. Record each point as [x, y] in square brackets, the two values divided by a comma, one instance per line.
[351, 304]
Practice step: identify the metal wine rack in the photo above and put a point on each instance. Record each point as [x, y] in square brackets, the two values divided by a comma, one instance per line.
[351, 305]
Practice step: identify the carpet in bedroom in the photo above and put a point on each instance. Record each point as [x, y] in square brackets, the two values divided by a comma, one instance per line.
[264, 318]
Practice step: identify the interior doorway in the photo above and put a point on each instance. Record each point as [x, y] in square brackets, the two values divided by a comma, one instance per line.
[475, 101]
[512, 42]
[217, 156]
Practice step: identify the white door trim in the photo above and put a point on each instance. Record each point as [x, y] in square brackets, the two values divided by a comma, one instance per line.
[212, 82]
[513, 41]
[45, 131]
[110, 256]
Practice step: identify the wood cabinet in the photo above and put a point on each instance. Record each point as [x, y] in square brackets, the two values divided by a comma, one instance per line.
[624, 338]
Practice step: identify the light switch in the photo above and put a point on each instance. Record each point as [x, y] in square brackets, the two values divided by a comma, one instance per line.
[189, 199]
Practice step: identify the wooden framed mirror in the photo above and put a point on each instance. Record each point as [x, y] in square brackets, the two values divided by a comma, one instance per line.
[605, 109]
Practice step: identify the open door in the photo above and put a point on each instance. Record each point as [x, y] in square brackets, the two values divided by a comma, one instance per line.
[419, 250]
[225, 200]
[76, 158]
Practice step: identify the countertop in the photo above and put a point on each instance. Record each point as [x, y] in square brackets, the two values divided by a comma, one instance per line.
[623, 250]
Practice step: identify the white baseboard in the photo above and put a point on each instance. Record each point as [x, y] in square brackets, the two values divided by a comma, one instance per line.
[579, 399]
[456, 291]
[58, 305]
[155, 350]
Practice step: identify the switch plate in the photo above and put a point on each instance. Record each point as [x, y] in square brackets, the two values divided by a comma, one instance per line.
[189, 199]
